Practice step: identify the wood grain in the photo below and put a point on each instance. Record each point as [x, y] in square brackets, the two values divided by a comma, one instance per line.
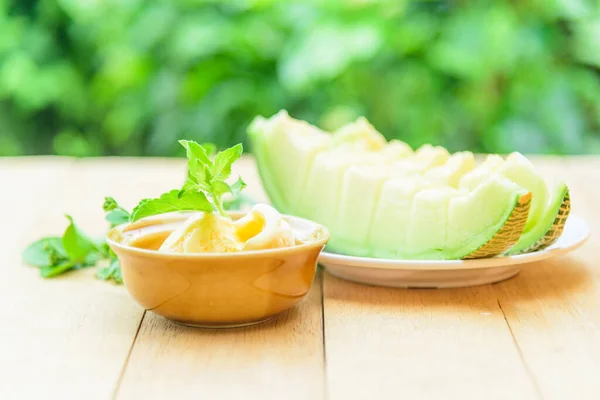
[553, 307]
[419, 344]
[280, 359]
[66, 337]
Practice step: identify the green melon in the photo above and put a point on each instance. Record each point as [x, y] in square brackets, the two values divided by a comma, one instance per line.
[291, 145]
[549, 207]
[382, 199]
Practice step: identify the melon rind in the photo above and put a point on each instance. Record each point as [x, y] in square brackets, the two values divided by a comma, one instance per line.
[555, 230]
[510, 232]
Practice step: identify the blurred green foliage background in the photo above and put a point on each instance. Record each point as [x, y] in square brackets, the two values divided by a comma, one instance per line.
[130, 77]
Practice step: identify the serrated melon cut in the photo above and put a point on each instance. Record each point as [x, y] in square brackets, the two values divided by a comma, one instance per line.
[425, 158]
[426, 238]
[322, 195]
[388, 230]
[475, 219]
[397, 149]
[359, 134]
[361, 188]
[453, 169]
[288, 146]
[476, 176]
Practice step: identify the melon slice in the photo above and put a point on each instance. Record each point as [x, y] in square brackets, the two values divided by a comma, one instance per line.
[324, 186]
[550, 226]
[362, 186]
[428, 223]
[388, 231]
[488, 221]
[384, 200]
[285, 148]
[547, 205]
[419, 219]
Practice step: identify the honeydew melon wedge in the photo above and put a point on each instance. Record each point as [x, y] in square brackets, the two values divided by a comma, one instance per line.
[445, 222]
[362, 186]
[551, 224]
[549, 206]
[324, 190]
[488, 221]
[285, 148]
[453, 169]
[383, 200]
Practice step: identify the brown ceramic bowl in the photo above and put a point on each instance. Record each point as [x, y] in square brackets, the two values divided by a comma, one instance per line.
[219, 289]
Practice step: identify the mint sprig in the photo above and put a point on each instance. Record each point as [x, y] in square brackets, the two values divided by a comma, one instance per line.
[206, 185]
[56, 255]
[204, 190]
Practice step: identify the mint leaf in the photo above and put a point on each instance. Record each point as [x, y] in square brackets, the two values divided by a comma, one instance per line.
[238, 203]
[44, 252]
[54, 270]
[237, 187]
[219, 188]
[109, 204]
[210, 148]
[111, 272]
[198, 159]
[78, 246]
[171, 201]
[117, 217]
[224, 160]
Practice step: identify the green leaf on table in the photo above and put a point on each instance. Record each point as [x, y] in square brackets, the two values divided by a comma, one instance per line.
[50, 271]
[224, 160]
[44, 252]
[110, 272]
[78, 246]
[171, 201]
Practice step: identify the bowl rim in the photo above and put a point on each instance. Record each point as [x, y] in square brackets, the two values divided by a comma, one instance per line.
[238, 254]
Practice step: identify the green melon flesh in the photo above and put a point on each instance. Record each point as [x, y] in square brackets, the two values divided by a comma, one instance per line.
[368, 181]
[545, 204]
[359, 134]
[428, 224]
[550, 226]
[384, 200]
[285, 148]
[474, 219]
[453, 169]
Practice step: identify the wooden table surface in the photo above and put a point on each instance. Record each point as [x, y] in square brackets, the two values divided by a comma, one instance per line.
[536, 336]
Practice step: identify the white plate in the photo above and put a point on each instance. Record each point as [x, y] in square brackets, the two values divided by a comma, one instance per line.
[451, 273]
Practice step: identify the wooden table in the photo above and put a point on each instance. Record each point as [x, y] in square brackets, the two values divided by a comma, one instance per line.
[536, 336]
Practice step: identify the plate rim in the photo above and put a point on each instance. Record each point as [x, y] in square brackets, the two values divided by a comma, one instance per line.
[390, 263]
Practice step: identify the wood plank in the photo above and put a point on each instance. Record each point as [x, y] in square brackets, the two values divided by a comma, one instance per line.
[282, 358]
[389, 343]
[67, 337]
[553, 307]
